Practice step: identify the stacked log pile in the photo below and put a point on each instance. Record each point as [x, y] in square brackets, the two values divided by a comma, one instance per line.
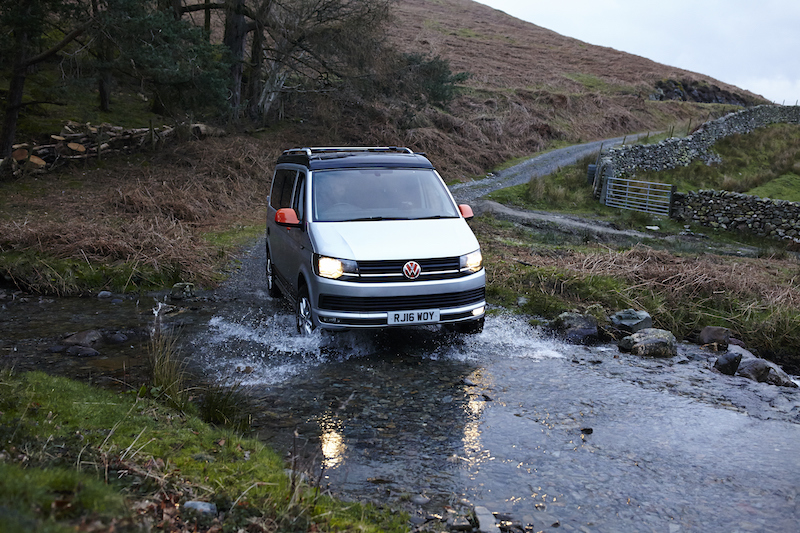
[80, 142]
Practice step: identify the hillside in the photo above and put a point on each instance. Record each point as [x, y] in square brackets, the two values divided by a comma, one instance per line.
[530, 86]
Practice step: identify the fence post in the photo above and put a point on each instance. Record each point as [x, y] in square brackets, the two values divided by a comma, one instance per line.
[672, 192]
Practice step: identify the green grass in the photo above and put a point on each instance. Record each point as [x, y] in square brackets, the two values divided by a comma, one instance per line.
[72, 452]
[786, 187]
[53, 275]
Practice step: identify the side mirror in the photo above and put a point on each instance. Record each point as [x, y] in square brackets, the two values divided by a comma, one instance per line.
[466, 211]
[287, 217]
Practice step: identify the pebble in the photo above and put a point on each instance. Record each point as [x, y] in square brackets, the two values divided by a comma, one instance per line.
[201, 507]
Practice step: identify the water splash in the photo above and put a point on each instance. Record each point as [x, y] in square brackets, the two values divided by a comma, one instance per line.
[264, 349]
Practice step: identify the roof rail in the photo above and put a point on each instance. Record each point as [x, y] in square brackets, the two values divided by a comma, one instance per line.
[331, 149]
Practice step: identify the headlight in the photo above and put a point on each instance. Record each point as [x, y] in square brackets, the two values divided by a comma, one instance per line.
[472, 262]
[330, 267]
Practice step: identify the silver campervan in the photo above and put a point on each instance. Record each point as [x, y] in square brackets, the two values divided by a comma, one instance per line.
[371, 238]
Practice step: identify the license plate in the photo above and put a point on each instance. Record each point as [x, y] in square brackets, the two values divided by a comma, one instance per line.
[425, 316]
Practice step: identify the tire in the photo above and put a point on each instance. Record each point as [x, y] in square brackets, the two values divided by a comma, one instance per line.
[272, 288]
[590, 172]
[473, 327]
[303, 316]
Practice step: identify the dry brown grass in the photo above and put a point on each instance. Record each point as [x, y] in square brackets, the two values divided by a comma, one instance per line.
[758, 298]
[149, 210]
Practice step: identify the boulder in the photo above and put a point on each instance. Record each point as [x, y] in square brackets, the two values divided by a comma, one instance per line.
[761, 370]
[181, 291]
[650, 342]
[728, 363]
[717, 336]
[83, 338]
[576, 328]
[631, 320]
[755, 369]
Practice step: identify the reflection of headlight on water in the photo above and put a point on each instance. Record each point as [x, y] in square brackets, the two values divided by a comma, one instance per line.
[332, 444]
[473, 409]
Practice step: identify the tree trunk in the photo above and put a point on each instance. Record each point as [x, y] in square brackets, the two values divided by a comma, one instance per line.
[255, 79]
[234, 39]
[104, 82]
[207, 19]
[272, 87]
[16, 89]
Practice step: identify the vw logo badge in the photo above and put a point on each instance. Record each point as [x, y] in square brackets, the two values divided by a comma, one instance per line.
[412, 270]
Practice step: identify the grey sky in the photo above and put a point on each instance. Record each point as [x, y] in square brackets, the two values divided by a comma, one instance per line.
[754, 45]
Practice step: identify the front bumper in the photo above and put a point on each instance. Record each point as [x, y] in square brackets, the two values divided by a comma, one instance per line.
[346, 305]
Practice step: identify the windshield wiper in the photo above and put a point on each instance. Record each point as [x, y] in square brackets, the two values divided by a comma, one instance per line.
[365, 219]
[433, 217]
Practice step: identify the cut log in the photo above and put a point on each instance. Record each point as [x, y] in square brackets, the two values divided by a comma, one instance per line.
[35, 163]
[20, 154]
[58, 138]
[202, 131]
[76, 147]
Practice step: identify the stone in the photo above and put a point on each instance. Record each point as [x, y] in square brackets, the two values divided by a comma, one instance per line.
[104, 294]
[420, 499]
[83, 338]
[779, 378]
[576, 328]
[631, 320]
[201, 507]
[82, 351]
[650, 342]
[486, 520]
[117, 338]
[717, 336]
[460, 523]
[761, 370]
[728, 363]
[182, 291]
[755, 369]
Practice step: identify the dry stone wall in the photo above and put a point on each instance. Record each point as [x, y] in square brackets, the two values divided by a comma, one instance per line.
[777, 219]
[625, 161]
[725, 210]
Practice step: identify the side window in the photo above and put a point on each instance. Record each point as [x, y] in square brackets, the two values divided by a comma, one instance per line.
[298, 202]
[282, 187]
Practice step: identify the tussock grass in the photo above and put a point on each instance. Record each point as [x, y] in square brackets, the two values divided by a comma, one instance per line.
[167, 368]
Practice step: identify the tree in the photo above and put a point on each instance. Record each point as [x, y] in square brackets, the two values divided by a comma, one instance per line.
[130, 37]
[309, 41]
[169, 56]
[36, 28]
[314, 42]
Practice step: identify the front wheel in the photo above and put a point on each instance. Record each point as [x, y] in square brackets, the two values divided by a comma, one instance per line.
[305, 322]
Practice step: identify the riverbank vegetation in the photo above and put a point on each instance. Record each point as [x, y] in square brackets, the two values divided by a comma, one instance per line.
[78, 458]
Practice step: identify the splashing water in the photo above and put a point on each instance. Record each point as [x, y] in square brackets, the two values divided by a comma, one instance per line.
[263, 349]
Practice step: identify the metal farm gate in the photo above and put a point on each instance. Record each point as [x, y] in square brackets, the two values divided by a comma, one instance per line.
[645, 196]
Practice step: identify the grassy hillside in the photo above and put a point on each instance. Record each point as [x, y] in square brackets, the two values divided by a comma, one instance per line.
[530, 87]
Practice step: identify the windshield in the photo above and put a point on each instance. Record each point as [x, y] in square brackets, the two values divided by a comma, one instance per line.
[380, 194]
